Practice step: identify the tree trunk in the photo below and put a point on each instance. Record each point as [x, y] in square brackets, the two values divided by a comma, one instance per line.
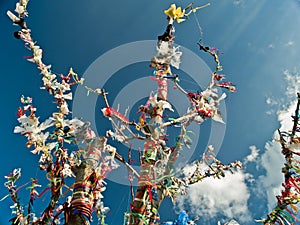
[82, 198]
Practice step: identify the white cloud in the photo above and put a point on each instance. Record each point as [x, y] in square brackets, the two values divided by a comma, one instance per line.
[289, 43]
[292, 79]
[293, 84]
[288, 108]
[272, 160]
[269, 184]
[211, 197]
[253, 155]
[285, 117]
[274, 104]
[238, 2]
[271, 101]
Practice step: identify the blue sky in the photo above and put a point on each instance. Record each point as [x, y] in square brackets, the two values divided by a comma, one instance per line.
[259, 41]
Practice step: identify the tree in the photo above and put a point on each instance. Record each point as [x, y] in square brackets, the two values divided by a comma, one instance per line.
[85, 170]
